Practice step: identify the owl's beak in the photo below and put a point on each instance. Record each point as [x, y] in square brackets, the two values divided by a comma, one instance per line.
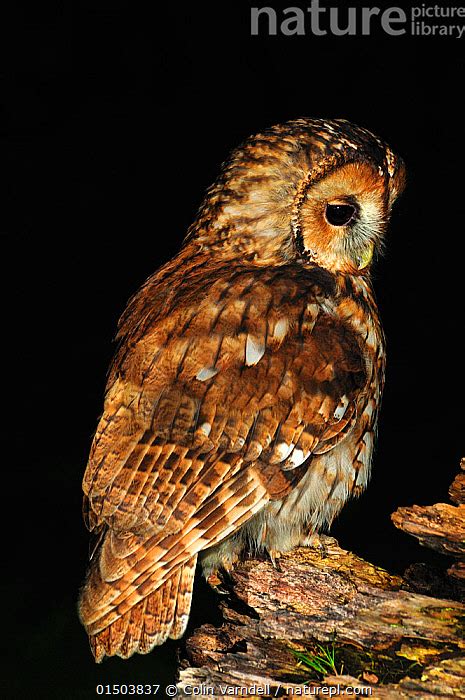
[366, 257]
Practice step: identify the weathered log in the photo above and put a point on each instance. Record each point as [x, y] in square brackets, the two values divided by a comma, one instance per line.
[440, 527]
[328, 619]
[457, 489]
[338, 601]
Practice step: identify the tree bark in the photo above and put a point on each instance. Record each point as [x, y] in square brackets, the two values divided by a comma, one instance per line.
[391, 636]
[440, 527]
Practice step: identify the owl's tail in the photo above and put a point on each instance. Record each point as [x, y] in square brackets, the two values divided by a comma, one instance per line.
[139, 587]
[162, 614]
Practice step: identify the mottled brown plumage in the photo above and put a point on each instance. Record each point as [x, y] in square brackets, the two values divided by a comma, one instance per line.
[241, 406]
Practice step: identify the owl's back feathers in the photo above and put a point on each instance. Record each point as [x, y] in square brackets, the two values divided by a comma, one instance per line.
[214, 403]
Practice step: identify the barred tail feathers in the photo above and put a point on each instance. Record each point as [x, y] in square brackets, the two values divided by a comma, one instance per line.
[162, 614]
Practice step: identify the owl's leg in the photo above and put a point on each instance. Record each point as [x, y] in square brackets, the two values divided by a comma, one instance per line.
[220, 560]
[275, 556]
[311, 539]
[317, 541]
[218, 578]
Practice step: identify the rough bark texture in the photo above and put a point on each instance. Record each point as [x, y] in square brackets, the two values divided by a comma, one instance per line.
[393, 637]
[457, 489]
[440, 527]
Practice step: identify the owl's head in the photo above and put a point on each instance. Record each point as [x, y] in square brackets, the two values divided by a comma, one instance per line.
[309, 191]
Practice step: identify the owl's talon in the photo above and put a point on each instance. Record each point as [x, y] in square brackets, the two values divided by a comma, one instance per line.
[215, 582]
[274, 558]
[316, 542]
[221, 590]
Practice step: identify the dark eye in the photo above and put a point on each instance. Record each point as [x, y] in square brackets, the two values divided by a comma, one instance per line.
[340, 214]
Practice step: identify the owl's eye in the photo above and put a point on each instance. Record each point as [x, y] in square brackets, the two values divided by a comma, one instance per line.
[340, 214]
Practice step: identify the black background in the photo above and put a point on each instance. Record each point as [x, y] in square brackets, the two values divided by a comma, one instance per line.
[115, 119]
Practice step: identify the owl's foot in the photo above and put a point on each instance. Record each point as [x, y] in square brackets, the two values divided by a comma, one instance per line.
[228, 564]
[316, 541]
[217, 583]
[218, 579]
[274, 558]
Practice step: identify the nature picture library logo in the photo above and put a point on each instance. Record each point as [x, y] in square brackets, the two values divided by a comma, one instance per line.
[318, 20]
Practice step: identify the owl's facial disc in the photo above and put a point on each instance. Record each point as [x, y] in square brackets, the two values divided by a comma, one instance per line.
[346, 213]
[343, 218]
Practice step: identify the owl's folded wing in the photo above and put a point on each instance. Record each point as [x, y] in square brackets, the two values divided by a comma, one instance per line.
[218, 405]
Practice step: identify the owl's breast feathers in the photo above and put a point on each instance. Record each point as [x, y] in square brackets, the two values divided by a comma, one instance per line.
[228, 383]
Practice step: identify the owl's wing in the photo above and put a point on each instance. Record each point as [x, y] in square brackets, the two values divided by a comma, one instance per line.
[214, 406]
[212, 410]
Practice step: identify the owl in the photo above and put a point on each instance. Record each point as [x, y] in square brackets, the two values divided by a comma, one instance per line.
[241, 406]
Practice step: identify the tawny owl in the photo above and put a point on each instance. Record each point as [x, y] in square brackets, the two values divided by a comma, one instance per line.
[242, 403]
